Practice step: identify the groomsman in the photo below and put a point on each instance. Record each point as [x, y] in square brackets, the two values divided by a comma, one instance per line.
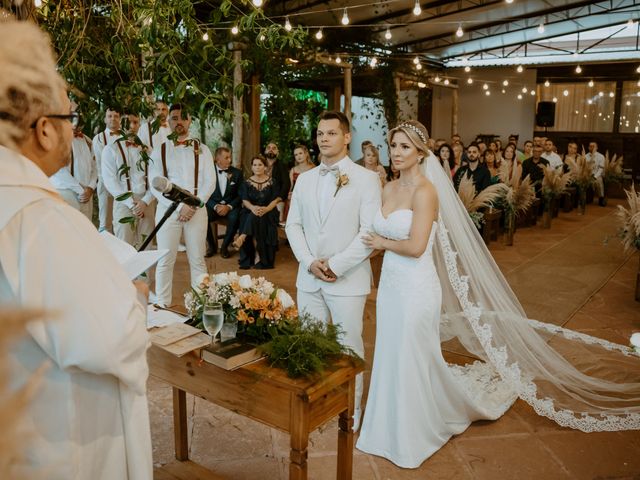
[77, 181]
[109, 135]
[187, 163]
[225, 201]
[124, 170]
[147, 135]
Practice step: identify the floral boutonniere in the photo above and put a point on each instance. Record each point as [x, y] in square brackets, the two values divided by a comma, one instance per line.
[341, 180]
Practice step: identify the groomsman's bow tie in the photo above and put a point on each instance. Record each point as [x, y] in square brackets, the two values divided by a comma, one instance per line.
[324, 169]
[130, 144]
[182, 142]
[78, 135]
[222, 171]
[112, 133]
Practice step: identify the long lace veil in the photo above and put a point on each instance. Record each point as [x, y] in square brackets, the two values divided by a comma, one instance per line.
[576, 380]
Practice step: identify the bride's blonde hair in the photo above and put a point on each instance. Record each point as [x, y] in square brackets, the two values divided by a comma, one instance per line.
[417, 134]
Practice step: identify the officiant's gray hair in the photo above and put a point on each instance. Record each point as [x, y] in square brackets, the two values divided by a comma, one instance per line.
[30, 84]
[416, 132]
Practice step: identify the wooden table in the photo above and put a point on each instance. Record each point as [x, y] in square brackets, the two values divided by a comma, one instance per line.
[267, 395]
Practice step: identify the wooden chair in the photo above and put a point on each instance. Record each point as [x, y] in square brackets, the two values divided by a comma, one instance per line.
[491, 225]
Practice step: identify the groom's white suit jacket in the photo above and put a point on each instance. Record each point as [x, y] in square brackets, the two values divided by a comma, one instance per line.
[337, 237]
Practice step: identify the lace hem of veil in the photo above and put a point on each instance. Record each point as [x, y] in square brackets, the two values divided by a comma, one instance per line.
[511, 373]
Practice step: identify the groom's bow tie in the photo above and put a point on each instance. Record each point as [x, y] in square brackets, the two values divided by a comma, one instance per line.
[324, 169]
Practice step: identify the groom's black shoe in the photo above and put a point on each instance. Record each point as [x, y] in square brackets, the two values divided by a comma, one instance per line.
[224, 252]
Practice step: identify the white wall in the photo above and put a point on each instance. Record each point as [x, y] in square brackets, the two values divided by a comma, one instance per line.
[499, 114]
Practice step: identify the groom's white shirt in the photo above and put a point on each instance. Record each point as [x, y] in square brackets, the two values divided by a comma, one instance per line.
[329, 224]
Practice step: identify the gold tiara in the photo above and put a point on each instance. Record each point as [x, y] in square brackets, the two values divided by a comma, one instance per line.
[415, 129]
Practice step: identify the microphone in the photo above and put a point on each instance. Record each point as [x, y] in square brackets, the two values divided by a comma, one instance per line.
[175, 193]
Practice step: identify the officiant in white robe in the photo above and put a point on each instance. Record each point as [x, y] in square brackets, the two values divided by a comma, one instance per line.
[89, 418]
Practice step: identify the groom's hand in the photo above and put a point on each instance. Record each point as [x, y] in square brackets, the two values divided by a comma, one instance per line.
[321, 270]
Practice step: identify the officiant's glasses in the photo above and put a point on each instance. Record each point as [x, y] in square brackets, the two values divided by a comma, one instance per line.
[73, 117]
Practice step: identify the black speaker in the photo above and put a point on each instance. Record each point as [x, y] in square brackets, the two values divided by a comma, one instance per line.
[546, 114]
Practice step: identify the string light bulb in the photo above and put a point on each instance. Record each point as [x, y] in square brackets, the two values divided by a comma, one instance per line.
[519, 96]
[419, 66]
[505, 83]
[459, 31]
[638, 70]
[319, 34]
[338, 59]
[578, 69]
[532, 92]
[470, 81]
[437, 79]
[541, 28]
[417, 10]
[374, 62]
[547, 83]
[257, 3]
[555, 100]
[287, 24]
[467, 69]
[503, 91]
[416, 60]
[205, 37]
[387, 34]
[591, 83]
[485, 87]
[345, 18]
[565, 93]
[234, 30]
[446, 81]
[519, 69]
[524, 90]
[487, 93]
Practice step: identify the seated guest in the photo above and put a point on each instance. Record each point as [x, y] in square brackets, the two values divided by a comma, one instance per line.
[596, 159]
[550, 154]
[478, 172]
[224, 202]
[77, 181]
[446, 156]
[124, 170]
[260, 194]
[303, 163]
[372, 162]
[459, 158]
[527, 152]
[363, 145]
[531, 167]
[489, 159]
[572, 154]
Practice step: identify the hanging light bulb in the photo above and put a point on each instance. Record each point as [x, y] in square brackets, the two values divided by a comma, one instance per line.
[638, 70]
[338, 59]
[387, 34]
[287, 24]
[519, 69]
[319, 34]
[459, 31]
[541, 28]
[591, 83]
[467, 69]
[257, 3]
[547, 83]
[578, 69]
[416, 60]
[417, 10]
[487, 93]
[422, 85]
[503, 91]
[374, 62]
[470, 81]
[446, 81]
[485, 87]
[234, 30]
[205, 37]
[524, 90]
[505, 83]
[565, 93]
[437, 79]
[345, 17]
[419, 66]
[532, 92]
[555, 100]
[519, 96]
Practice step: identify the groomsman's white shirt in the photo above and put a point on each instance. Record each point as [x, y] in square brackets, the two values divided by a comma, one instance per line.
[85, 172]
[99, 145]
[180, 161]
[553, 158]
[155, 140]
[105, 201]
[117, 184]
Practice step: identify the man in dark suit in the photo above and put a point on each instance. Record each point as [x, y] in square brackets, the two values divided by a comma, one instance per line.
[531, 167]
[224, 201]
[478, 172]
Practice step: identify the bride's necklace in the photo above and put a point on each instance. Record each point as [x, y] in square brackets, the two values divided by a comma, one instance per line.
[408, 183]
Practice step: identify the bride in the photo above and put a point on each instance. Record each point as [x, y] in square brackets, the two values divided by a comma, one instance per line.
[439, 282]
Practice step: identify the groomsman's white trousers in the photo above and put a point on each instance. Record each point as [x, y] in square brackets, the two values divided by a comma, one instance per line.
[105, 206]
[346, 312]
[124, 232]
[195, 238]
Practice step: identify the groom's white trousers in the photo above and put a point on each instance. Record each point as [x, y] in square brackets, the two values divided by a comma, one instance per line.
[346, 312]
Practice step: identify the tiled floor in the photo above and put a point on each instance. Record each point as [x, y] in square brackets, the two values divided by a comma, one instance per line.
[574, 274]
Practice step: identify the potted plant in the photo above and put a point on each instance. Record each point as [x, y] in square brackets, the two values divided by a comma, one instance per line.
[630, 227]
[518, 197]
[582, 174]
[474, 201]
[554, 185]
[612, 173]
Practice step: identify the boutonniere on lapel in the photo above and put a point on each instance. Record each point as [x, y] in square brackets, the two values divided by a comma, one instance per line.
[342, 179]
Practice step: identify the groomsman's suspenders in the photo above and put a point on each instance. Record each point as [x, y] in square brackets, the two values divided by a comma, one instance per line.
[72, 162]
[196, 157]
[150, 135]
[104, 137]
[124, 162]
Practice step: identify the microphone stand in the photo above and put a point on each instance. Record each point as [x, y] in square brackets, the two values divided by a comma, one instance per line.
[154, 232]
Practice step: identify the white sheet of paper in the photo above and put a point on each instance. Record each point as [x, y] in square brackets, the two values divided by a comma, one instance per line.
[172, 333]
[132, 261]
[160, 318]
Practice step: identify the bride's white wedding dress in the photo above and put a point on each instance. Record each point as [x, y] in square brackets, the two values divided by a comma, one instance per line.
[416, 400]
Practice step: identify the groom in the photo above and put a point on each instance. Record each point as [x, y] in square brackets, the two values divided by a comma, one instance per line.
[332, 206]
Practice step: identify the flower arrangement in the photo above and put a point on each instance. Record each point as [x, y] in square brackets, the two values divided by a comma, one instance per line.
[630, 220]
[519, 194]
[613, 169]
[473, 201]
[260, 307]
[554, 183]
[582, 171]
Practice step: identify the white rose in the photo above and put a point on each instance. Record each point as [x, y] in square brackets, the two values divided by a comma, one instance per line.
[284, 298]
[221, 279]
[245, 281]
[635, 341]
[202, 279]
